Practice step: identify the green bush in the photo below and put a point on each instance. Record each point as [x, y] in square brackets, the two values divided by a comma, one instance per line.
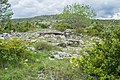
[22, 27]
[44, 46]
[62, 27]
[5, 26]
[103, 61]
[94, 29]
[13, 26]
[44, 25]
[13, 52]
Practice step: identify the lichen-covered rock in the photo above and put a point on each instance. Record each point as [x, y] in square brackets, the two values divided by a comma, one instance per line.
[67, 33]
[5, 36]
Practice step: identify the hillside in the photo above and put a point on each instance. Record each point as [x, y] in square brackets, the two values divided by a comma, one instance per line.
[38, 18]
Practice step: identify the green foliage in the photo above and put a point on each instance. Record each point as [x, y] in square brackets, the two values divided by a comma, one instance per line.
[77, 15]
[42, 25]
[28, 70]
[22, 27]
[103, 61]
[62, 27]
[95, 29]
[6, 26]
[43, 69]
[44, 46]
[11, 26]
[13, 52]
[5, 11]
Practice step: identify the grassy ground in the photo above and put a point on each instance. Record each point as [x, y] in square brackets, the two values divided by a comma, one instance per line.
[41, 68]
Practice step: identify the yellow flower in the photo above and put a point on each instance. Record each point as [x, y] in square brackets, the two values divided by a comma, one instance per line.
[73, 59]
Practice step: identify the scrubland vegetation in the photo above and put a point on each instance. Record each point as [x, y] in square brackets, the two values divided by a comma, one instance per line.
[98, 58]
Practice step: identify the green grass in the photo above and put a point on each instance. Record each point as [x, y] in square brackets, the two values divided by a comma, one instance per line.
[59, 69]
[27, 70]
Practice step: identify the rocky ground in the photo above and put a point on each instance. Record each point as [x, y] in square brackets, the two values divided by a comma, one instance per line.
[69, 43]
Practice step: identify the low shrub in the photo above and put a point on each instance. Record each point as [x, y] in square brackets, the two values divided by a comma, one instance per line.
[22, 27]
[44, 25]
[11, 26]
[103, 61]
[13, 52]
[44, 46]
[62, 27]
[94, 30]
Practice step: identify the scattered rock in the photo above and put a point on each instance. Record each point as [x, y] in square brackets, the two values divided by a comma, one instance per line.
[6, 36]
[67, 33]
[76, 55]
[57, 56]
[62, 44]
[81, 42]
[63, 55]
[34, 41]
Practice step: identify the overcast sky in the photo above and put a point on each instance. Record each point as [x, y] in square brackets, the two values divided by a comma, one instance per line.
[30, 8]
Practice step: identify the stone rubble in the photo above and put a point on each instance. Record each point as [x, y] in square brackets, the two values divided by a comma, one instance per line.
[65, 40]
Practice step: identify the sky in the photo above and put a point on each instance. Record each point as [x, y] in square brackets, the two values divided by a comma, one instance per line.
[105, 9]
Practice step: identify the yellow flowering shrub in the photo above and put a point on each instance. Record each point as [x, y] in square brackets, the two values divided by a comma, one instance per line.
[13, 52]
[73, 59]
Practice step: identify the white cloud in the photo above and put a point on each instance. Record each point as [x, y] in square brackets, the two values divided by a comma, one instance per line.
[30, 8]
[116, 16]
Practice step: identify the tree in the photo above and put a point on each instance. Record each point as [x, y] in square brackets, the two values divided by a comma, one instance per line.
[5, 15]
[77, 15]
[5, 10]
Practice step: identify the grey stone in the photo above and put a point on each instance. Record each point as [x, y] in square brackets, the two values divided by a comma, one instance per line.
[76, 55]
[68, 30]
[57, 56]
[67, 33]
[62, 54]
[85, 53]
[6, 36]
[62, 44]
[34, 41]
[81, 42]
